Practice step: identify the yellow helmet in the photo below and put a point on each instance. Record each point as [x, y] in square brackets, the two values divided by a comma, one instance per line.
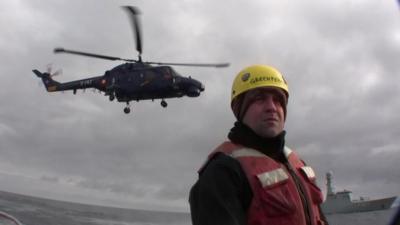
[258, 76]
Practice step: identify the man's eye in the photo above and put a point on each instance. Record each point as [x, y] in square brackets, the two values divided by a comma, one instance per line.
[278, 99]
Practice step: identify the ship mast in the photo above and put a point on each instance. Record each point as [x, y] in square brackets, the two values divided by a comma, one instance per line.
[329, 184]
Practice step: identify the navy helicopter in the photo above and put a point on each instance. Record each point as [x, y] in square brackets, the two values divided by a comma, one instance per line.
[134, 80]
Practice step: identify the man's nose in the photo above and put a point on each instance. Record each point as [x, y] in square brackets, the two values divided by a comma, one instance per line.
[269, 103]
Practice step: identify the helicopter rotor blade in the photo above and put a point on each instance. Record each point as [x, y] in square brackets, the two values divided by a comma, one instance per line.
[62, 50]
[49, 68]
[217, 65]
[57, 73]
[133, 13]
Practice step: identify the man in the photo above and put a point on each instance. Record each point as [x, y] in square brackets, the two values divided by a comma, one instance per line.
[253, 178]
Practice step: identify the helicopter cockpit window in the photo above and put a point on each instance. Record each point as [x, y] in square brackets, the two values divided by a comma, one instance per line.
[167, 73]
[173, 72]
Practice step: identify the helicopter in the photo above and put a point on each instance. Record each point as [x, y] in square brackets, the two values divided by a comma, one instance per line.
[134, 80]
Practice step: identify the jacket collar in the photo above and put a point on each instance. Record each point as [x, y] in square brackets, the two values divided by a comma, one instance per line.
[273, 147]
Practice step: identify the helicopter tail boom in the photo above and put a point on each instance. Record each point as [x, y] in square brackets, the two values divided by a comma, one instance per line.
[53, 86]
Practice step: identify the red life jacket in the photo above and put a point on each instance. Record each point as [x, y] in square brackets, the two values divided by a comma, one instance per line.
[283, 194]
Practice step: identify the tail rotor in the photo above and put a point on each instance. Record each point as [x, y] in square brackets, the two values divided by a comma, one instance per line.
[49, 71]
[47, 80]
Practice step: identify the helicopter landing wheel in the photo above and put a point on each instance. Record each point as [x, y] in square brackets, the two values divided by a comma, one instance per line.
[164, 103]
[127, 110]
[111, 97]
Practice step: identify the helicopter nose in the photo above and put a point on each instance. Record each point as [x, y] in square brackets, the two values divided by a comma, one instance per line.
[202, 87]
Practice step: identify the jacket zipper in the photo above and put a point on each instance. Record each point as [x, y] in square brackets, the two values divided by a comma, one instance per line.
[302, 192]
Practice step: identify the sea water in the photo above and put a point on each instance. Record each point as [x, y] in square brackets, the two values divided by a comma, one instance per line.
[37, 211]
[365, 218]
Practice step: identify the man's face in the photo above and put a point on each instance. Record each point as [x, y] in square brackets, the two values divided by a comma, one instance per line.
[265, 114]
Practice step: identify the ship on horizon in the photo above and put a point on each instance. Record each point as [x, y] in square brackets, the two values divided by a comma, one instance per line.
[341, 202]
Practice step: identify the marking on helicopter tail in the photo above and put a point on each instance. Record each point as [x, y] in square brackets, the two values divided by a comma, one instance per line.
[52, 88]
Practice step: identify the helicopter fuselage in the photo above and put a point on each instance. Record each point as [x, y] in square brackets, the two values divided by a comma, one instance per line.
[133, 82]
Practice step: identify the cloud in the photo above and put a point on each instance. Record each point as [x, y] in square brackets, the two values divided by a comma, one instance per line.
[50, 179]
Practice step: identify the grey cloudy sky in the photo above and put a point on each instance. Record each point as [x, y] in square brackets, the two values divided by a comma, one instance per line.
[339, 57]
